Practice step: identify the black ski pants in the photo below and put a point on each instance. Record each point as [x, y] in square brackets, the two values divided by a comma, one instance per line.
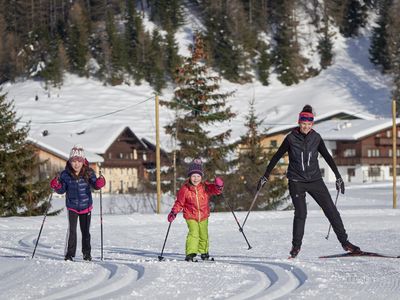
[319, 191]
[84, 223]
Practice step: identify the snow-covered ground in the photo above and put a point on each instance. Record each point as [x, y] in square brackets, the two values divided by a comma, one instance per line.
[132, 243]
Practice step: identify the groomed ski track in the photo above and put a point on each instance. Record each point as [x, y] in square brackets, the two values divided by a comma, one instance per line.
[132, 243]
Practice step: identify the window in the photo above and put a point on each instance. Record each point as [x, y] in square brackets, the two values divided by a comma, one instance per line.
[121, 155]
[388, 133]
[373, 152]
[109, 155]
[349, 152]
[274, 143]
[134, 154]
[374, 171]
[391, 152]
[351, 172]
[391, 171]
[144, 156]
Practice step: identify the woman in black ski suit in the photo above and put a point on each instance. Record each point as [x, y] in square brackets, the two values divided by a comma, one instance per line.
[303, 145]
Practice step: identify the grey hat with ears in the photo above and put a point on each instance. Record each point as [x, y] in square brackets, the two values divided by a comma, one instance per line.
[195, 167]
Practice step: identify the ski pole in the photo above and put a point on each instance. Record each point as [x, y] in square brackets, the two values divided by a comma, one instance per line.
[240, 227]
[330, 225]
[251, 207]
[160, 257]
[101, 222]
[41, 227]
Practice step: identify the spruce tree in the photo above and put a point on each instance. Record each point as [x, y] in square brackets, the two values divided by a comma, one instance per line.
[200, 105]
[77, 40]
[167, 13]
[172, 58]
[155, 62]
[378, 50]
[325, 43]
[288, 61]
[21, 192]
[263, 63]
[251, 162]
[355, 15]
[118, 58]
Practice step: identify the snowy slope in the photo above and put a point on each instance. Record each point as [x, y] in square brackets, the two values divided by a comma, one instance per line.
[132, 243]
[351, 83]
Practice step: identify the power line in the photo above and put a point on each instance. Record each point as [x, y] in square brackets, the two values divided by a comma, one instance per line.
[88, 118]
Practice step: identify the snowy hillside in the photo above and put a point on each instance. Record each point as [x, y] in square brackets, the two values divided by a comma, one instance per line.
[132, 243]
[351, 83]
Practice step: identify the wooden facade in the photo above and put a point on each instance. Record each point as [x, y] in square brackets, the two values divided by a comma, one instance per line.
[369, 158]
[54, 163]
[124, 162]
[127, 162]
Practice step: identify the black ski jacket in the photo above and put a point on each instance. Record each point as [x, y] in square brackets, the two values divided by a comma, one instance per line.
[303, 156]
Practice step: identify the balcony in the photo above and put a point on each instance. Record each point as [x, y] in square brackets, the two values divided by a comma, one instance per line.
[351, 161]
[385, 141]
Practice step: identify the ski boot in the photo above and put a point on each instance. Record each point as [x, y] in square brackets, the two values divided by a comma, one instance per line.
[191, 257]
[68, 258]
[206, 257]
[349, 247]
[294, 252]
[87, 257]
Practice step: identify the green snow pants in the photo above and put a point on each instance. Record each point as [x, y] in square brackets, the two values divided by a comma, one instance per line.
[197, 238]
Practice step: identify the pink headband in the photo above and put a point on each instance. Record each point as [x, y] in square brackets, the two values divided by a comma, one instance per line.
[306, 117]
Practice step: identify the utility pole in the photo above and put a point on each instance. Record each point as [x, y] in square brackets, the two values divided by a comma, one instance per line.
[158, 164]
[394, 150]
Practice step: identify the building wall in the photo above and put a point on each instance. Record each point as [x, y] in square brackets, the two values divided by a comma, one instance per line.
[272, 143]
[371, 160]
[120, 180]
[54, 164]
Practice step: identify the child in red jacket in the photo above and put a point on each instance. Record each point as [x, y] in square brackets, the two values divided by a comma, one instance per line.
[193, 198]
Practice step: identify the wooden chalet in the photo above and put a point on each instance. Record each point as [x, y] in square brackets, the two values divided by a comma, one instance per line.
[124, 159]
[362, 149]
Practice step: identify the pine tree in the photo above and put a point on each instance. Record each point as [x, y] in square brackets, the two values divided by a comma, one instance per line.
[77, 40]
[325, 43]
[199, 106]
[393, 43]
[167, 13]
[355, 16]
[251, 162]
[263, 63]
[118, 58]
[288, 62]
[21, 192]
[230, 41]
[155, 62]
[172, 58]
[378, 50]
[3, 50]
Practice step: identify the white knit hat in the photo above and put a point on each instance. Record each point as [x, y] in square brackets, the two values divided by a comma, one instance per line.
[77, 153]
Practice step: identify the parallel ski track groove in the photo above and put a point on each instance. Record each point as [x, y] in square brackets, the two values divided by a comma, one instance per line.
[276, 279]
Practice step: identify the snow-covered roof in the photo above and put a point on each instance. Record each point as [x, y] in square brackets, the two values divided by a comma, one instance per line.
[351, 130]
[60, 146]
[322, 117]
[99, 138]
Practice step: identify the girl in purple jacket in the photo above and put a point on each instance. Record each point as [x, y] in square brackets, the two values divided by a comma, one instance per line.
[76, 181]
